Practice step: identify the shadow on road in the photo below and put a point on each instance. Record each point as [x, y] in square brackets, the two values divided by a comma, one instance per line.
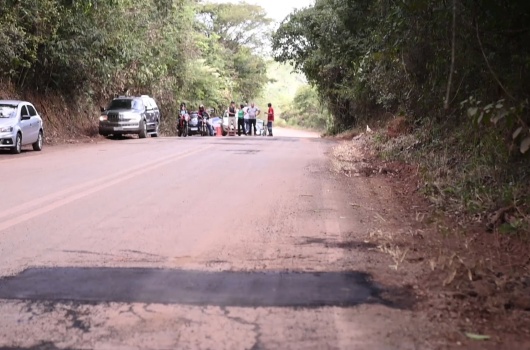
[226, 288]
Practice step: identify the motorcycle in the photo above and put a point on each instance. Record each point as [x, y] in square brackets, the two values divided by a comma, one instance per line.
[182, 127]
[205, 127]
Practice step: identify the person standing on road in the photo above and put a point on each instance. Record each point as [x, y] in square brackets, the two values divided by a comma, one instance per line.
[232, 109]
[253, 113]
[270, 118]
[247, 121]
[232, 116]
[241, 121]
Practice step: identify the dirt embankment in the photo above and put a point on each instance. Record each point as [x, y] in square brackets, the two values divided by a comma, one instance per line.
[475, 279]
[66, 119]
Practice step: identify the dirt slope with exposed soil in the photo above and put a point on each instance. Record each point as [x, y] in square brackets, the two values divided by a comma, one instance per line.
[476, 282]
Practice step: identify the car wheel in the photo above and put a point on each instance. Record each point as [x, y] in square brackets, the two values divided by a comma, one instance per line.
[143, 130]
[18, 144]
[224, 133]
[157, 130]
[37, 146]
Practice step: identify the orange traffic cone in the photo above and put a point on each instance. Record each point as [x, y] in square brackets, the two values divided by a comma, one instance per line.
[219, 132]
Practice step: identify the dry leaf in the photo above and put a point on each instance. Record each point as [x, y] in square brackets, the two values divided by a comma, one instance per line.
[432, 262]
[525, 145]
[450, 278]
[517, 132]
[477, 336]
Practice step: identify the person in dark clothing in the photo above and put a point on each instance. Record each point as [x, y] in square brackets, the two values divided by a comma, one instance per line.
[232, 117]
[204, 117]
[232, 109]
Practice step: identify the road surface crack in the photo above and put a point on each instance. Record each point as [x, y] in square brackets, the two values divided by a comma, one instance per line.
[256, 328]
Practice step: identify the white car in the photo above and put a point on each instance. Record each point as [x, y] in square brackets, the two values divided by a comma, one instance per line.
[20, 125]
[225, 124]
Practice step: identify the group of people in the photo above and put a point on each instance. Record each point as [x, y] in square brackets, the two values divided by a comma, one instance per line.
[247, 115]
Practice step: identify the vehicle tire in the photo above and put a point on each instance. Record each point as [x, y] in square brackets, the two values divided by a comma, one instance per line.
[185, 131]
[143, 130]
[157, 129]
[224, 133]
[37, 146]
[18, 144]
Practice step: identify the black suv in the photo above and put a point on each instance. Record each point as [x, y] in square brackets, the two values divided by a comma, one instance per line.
[130, 115]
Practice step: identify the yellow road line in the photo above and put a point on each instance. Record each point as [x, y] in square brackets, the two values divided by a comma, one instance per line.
[95, 186]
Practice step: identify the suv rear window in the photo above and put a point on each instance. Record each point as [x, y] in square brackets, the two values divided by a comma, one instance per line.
[135, 104]
[120, 104]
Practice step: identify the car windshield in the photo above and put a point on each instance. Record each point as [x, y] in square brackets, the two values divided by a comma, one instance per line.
[126, 104]
[8, 111]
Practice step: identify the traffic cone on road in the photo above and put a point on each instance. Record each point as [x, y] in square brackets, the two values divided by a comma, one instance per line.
[219, 132]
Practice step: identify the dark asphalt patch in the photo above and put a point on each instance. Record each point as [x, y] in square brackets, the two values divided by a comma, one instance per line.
[41, 346]
[243, 151]
[350, 245]
[166, 286]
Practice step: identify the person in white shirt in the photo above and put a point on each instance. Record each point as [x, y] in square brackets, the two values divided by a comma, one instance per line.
[253, 113]
[247, 122]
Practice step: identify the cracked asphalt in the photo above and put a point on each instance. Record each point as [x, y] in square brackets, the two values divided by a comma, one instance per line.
[196, 243]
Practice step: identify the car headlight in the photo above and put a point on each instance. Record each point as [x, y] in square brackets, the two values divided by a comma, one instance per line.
[103, 118]
[6, 129]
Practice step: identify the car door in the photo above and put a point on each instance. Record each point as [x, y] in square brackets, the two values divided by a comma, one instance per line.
[156, 111]
[148, 113]
[35, 123]
[25, 125]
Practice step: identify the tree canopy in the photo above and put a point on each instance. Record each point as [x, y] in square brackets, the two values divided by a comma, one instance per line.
[94, 49]
[417, 57]
[238, 25]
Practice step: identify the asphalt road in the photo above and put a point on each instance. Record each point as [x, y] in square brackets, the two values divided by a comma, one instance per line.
[168, 243]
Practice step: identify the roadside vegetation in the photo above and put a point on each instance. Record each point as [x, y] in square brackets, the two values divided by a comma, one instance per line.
[451, 77]
[70, 57]
[441, 86]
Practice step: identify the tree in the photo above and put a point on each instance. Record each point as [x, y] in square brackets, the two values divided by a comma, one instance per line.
[368, 57]
[238, 25]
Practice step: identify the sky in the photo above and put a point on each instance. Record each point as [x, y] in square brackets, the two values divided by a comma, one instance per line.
[277, 9]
